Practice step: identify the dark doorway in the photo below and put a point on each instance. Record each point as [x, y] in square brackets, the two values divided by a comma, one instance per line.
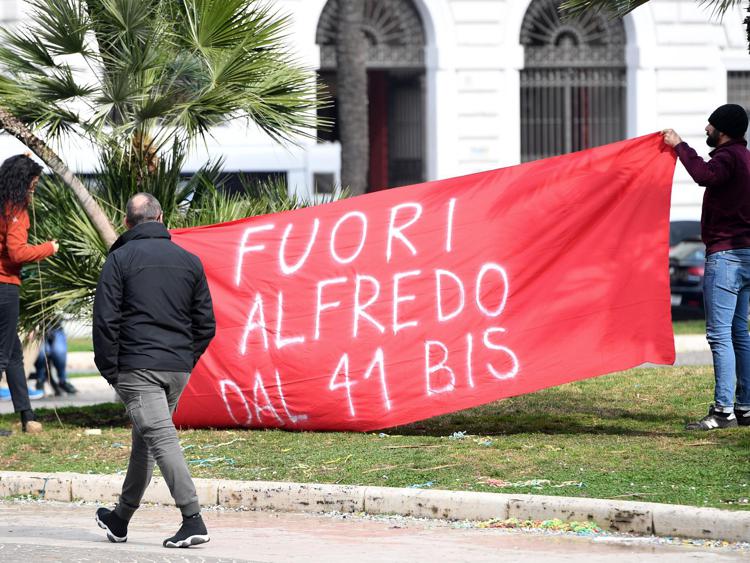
[396, 123]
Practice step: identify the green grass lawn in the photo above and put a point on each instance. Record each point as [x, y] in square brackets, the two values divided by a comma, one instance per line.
[77, 374]
[617, 436]
[80, 345]
[694, 326]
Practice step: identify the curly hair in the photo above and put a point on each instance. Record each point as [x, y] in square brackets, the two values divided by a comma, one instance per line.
[16, 174]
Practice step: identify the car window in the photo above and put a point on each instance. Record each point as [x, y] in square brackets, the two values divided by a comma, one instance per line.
[683, 230]
[689, 250]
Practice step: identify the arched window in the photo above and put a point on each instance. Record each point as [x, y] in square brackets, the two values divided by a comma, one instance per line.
[393, 30]
[573, 81]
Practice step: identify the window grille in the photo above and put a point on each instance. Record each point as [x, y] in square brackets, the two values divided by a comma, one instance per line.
[392, 28]
[738, 89]
[573, 84]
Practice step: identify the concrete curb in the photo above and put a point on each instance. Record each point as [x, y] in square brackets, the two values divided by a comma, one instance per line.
[618, 516]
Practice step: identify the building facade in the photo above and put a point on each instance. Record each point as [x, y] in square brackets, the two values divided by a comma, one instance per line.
[461, 86]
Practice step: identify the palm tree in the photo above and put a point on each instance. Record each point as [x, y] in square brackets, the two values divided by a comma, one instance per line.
[143, 81]
[351, 77]
[151, 71]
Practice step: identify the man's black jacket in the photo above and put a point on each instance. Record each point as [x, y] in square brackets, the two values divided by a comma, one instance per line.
[152, 308]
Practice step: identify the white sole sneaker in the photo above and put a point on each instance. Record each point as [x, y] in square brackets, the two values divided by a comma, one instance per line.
[187, 542]
[110, 536]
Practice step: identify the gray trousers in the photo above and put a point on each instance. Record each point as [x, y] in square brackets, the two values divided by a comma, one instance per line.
[150, 398]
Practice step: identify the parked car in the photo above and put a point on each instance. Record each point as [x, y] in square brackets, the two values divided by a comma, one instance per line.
[683, 230]
[686, 269]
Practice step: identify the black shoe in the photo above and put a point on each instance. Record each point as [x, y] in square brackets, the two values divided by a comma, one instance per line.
[55, 387]
[68, 388]
[117, 528]
[712, 421]
[192, 532]
[743, 417]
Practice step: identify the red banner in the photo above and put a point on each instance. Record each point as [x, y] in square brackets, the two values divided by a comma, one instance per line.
[404, 304]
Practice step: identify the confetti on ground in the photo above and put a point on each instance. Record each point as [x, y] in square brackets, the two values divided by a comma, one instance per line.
[533, 483]
[554, 525]
[338, 460]
[211, 461]
[433, 468]
[187, 447]
[426, 485]
[483, 441]
[209, 446]
[414, 446]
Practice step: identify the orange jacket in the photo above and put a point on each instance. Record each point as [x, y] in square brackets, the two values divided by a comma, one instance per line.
[15, 249]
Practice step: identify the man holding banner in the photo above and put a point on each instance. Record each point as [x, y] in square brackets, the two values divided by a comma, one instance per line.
[153, 319]
[725, 229]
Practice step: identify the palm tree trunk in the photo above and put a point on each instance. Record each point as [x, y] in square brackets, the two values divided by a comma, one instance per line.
[95, 214]
[351, 76]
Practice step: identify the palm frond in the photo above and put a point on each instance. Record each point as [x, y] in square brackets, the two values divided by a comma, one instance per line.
[20, 52]
[720, 7]
[620, 8]
[616, 8]
[62, 85]
[205, 25]
[63, 285]
[61, 25]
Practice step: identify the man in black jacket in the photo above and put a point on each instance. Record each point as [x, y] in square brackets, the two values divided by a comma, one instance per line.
[153, 318]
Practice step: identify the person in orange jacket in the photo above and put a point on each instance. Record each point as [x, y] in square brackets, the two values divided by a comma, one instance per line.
[18, 179]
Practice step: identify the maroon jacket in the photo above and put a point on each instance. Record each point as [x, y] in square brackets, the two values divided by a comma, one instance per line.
[725, 221]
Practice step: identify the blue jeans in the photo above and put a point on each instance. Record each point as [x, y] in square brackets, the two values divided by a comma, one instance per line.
[726, 294]
[54, 351]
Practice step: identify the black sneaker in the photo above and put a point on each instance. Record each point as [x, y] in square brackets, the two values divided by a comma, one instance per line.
[743, 417]
[55, 387]
[712, 421]
[117, 528]
[192, 532]
[68, 388]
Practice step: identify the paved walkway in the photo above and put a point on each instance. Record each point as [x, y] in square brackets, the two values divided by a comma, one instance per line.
[47, 531]
[91, 391]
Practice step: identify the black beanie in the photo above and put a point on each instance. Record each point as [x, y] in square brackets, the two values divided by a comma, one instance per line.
[730, 119]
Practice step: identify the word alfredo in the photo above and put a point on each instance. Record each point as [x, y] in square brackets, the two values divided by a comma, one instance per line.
[396, 312]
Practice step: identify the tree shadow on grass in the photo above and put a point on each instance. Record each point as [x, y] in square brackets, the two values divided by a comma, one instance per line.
[497, 420]
[742, 445]
[91, 416]
[560, 415]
